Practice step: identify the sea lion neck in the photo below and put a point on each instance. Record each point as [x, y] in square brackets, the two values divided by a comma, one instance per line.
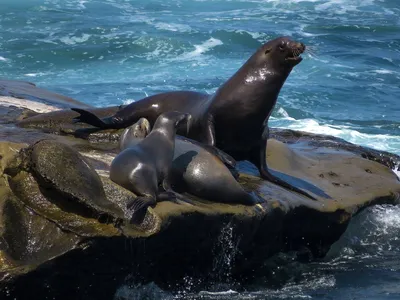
[251, 85]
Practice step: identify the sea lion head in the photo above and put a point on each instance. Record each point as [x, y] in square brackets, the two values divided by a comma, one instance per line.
[139, 130]
[174, 119]
[282, 52]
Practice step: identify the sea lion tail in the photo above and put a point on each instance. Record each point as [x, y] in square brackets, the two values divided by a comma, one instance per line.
[139, 206]
[89, 118]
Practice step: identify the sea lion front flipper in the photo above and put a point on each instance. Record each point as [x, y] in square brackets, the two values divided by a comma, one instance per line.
[139, 206]
[91, 119]
[210, 131]
[261, 163]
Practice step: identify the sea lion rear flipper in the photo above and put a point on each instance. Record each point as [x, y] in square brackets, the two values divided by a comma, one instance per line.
[90, 118]
[139, 206]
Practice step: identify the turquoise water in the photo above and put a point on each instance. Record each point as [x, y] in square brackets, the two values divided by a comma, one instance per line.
[109, 52]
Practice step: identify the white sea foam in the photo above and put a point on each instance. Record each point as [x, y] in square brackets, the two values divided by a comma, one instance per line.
[283, 113]
[383, 71]
[222, 293]
[3, 58]
[72, 40]
[388, 218]
[173, 27]
[201, 49]
[342, 6]
[47, 41]
[127, 101]
[35, 74]
[377, 141]
[396, 170]
[81, 4]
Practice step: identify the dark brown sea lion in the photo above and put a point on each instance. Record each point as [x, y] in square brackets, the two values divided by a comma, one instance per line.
[141, 168]
[195, 169]
[235, 118]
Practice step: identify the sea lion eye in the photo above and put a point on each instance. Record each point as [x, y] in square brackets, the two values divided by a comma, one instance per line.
[281, 47]
[268, 50]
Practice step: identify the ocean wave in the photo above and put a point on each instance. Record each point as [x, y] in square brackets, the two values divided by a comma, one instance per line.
[369, 236]
[200, 49]
[332, 6]
[72, 40]
[343, 6]
[37, 74]
[3, 58]
[173, 27]
[139, 292]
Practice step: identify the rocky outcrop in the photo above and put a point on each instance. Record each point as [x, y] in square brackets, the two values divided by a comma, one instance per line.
[65, 229]
[28, 92]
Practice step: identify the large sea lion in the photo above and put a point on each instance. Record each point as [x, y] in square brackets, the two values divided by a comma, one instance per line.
[235, 118]
[195, 169]
[141, 168]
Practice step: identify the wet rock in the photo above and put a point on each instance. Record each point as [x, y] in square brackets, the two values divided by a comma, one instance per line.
[27, 90]
[55, 240]
[319, 140]
[62, 170]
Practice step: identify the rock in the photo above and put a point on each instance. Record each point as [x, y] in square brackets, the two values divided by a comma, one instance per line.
[63, 171]
[29, 91]
[189, 240]
[319, 140]
[336, 172]
[54, 241]
[11, 114]
[21, 247]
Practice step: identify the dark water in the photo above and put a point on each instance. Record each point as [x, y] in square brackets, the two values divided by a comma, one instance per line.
[363, 264]
[116, 51]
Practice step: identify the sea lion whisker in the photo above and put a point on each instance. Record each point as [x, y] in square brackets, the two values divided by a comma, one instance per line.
[311, 49]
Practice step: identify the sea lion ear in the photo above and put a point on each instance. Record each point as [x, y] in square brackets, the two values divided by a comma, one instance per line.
[268, 50]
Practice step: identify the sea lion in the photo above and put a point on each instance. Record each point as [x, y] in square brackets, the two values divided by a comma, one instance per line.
[195, 169]
[143, 167]
[235, 118]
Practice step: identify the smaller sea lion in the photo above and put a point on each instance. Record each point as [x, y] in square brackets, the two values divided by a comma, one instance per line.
[141, 168]
[196, 169]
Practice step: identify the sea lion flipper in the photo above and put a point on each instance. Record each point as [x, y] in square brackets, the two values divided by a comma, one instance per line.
[259, 158]
[210, 131]
[139, 206]
[89, 118]
[170, 194]
[173, 197]
[228, 160]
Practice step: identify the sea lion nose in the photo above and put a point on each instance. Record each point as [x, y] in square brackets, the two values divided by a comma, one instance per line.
[301, 46]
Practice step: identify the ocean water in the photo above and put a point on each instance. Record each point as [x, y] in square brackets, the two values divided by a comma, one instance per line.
[109, 52]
